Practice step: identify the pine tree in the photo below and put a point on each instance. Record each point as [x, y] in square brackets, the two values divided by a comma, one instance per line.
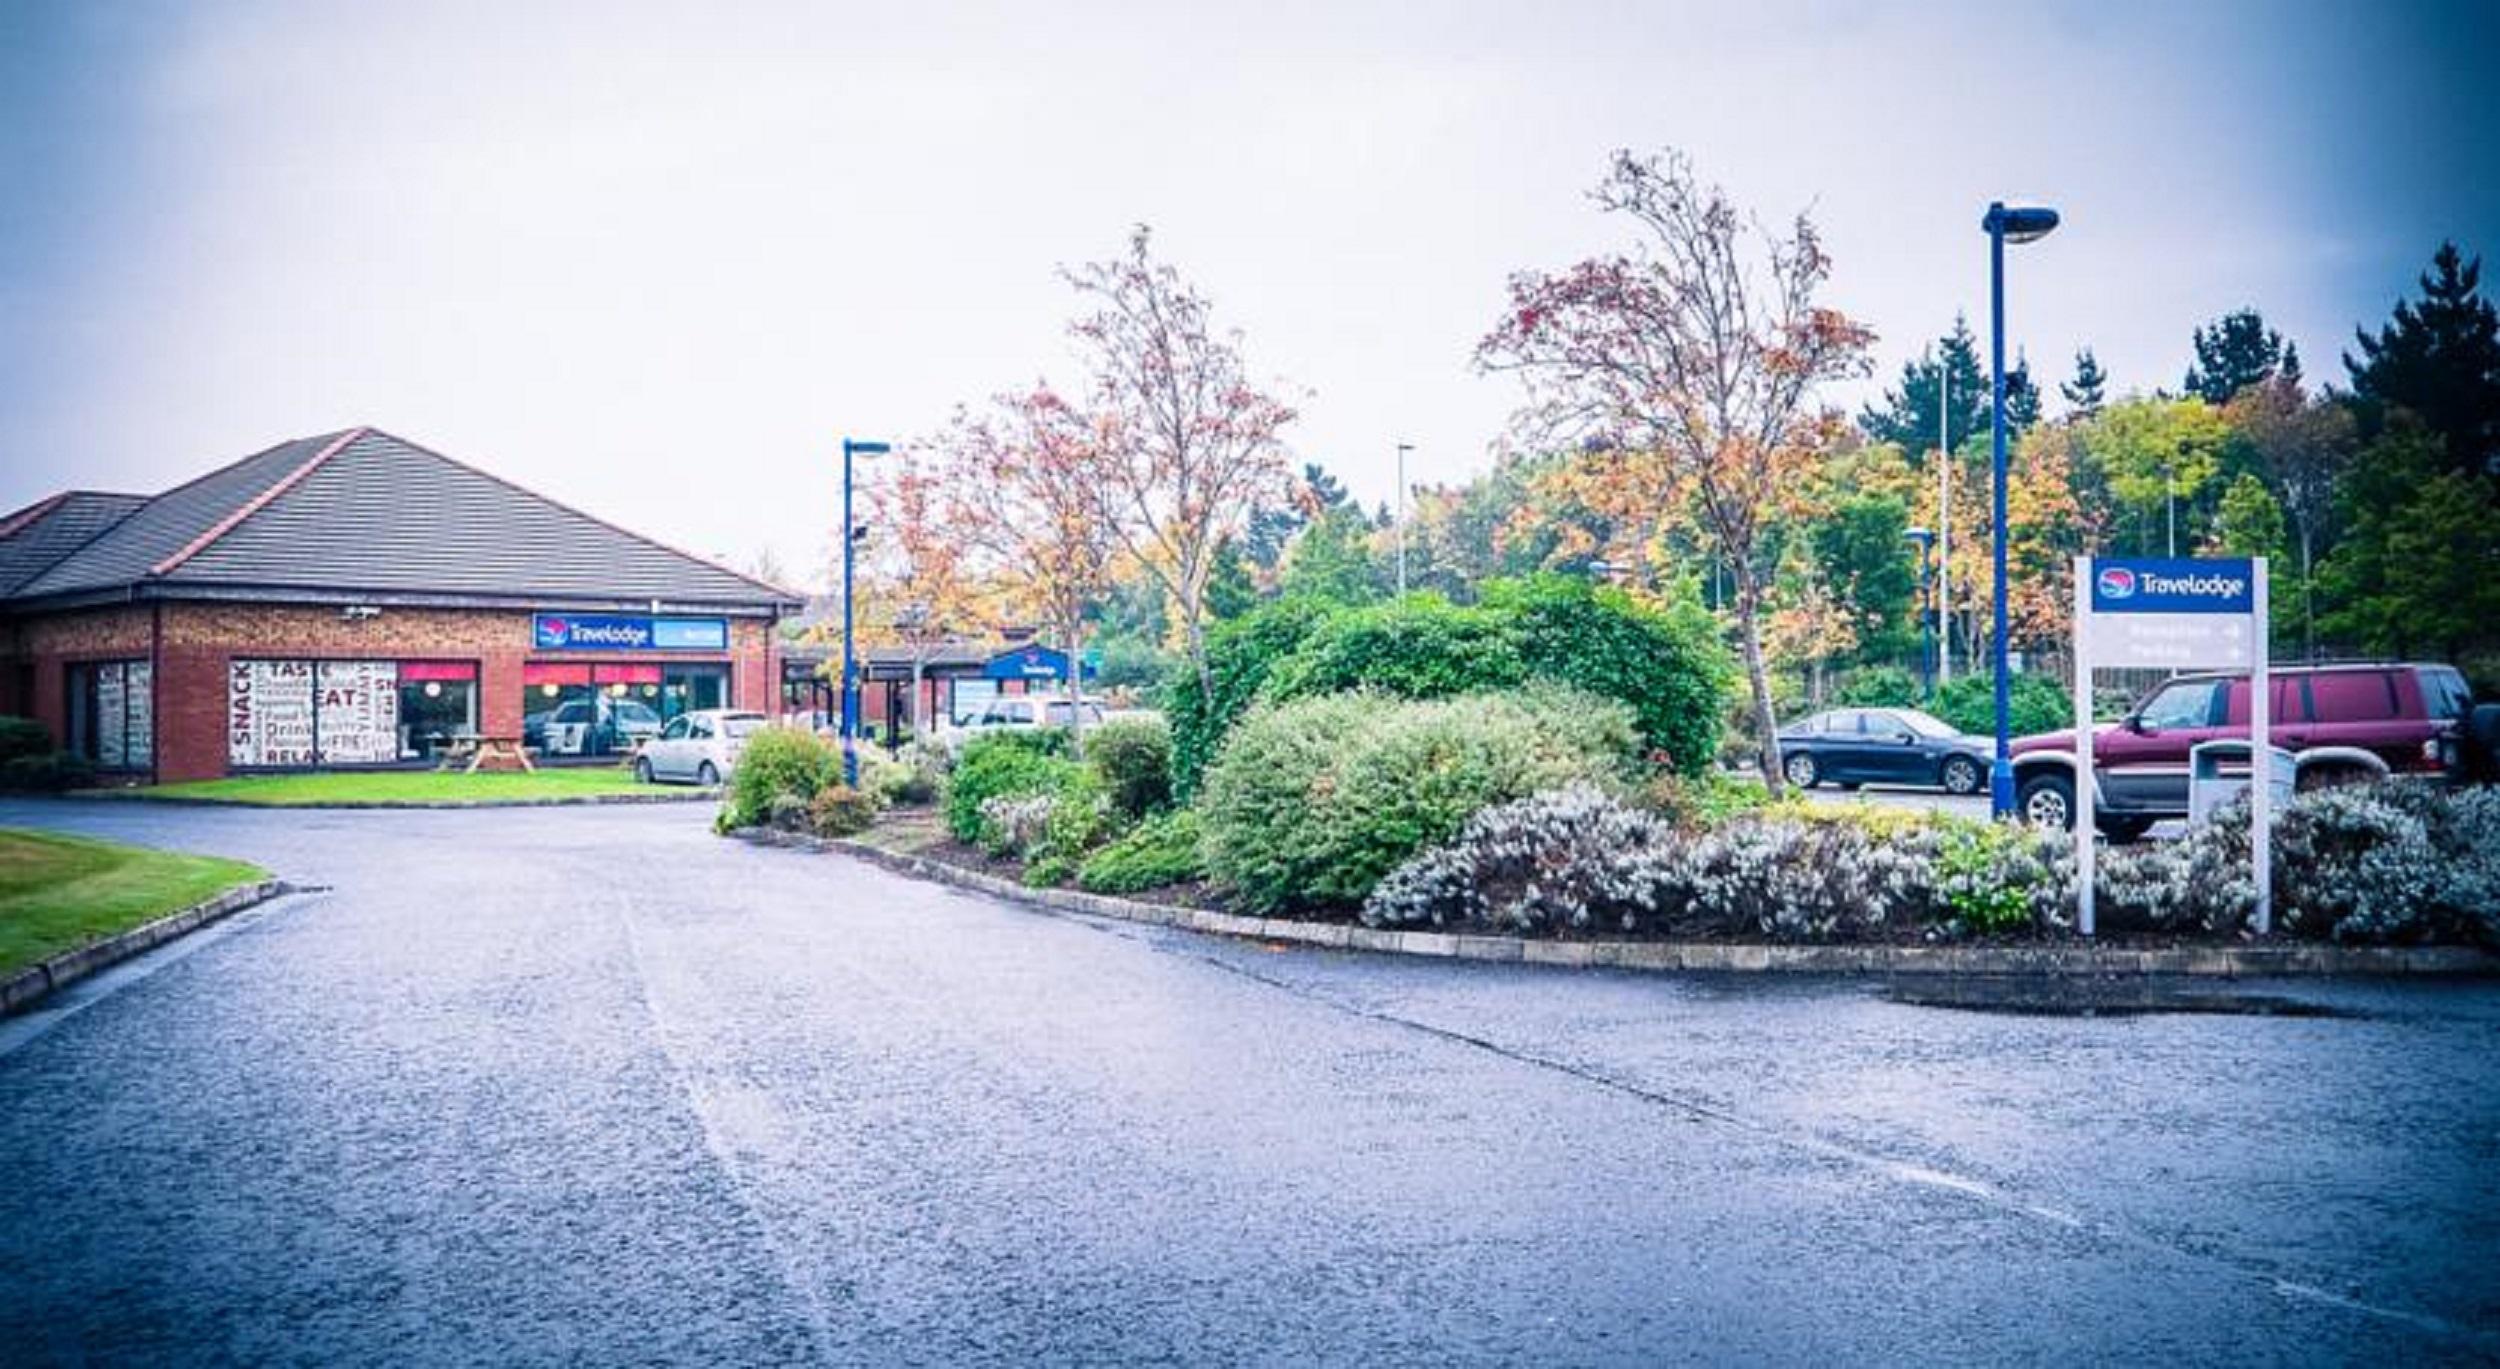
[2237, 352]
[2022, 398]
[2439, 359]
[2090, 387]
[1907, 418]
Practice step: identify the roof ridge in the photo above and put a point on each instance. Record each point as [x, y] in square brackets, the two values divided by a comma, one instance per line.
[32, 514]
[644, 538]
[257, 502]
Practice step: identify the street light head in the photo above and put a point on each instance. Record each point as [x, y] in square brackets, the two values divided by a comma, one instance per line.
[865, 448]
[2020, 223]
[1922, 536]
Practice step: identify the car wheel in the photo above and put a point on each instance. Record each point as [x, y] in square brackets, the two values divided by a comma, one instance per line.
[642, 770]
[1801, 770]
[2047, 801]
[708, 776]
[1960, 775]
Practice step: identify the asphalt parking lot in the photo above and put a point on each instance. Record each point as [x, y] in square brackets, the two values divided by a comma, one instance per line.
[592, 1085]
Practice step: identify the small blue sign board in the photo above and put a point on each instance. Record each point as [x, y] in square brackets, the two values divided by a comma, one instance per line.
[1032, 663]
[626, 632]
[2127, 584]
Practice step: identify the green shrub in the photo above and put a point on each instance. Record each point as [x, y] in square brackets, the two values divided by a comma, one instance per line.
[1240, 654]
[1703, 800]
[2035, 703]
[1418, 646]
[1002, 764]
[841, 811]
[1667, 664]
[1311, 802]
[1133, 756]
[779, 761]
[49, 772]
[21, 737]
[1161, 851]
[1978, 876]
[1880, 686]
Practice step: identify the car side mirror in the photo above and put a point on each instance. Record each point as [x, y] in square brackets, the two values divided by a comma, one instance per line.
[2133, 722]
[1906, 738]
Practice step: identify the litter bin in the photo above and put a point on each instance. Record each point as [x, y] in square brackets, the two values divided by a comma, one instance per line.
[2209, 788]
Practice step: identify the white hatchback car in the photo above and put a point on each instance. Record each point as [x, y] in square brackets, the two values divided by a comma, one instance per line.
[702, 746]
[1024, 712]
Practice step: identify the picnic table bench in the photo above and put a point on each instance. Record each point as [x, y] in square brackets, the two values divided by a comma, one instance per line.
[479, 751]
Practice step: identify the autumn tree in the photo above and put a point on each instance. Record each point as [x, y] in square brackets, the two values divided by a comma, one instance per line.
[1194, 444]
[2157, 457]
[915, 590]
[1699, 353]
[1025, 484]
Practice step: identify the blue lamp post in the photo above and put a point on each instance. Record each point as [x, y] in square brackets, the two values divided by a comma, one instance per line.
[850, 664]
[2004, 225]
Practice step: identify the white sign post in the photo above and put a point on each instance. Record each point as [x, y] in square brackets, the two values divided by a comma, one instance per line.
[2176, 615]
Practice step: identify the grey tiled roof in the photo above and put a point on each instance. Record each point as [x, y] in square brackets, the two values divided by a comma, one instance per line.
[171, 521]
[37, 537]
[364, 512]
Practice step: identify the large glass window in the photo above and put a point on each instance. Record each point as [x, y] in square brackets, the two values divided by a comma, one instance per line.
[581, 710]
[290, 713]
[437, 706]
[112, 713]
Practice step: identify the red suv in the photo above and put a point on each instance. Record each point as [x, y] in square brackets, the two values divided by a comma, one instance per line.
[2343, 723]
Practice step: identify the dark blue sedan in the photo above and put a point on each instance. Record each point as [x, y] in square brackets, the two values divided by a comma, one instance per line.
[1853, 746]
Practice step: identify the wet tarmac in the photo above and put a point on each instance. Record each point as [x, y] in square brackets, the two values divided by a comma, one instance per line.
[593, 1086]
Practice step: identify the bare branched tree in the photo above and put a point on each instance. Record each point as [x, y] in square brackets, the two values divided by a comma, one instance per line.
[1700, 351]
[1197, 443]
[1025, 485]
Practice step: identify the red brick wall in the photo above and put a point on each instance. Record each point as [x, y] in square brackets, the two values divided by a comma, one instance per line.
[200, 640]
[106, 634]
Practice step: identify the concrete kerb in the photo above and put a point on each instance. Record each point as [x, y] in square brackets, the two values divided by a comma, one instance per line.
[2222, 962]
[32, 984]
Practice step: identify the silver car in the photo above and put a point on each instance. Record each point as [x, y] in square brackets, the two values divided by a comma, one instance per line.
[701, 746]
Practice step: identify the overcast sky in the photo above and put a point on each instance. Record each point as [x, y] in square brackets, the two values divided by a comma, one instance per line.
[655, 260]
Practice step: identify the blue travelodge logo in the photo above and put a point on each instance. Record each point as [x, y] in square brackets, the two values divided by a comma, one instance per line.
[2150, 585]
[626, 632]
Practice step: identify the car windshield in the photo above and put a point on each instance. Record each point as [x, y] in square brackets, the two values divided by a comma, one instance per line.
[635, 713]
[1925, 724]
[738, 725]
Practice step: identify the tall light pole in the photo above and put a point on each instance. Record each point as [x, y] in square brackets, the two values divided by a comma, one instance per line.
[1944, 521]
[850, 661]
[1926, 541]
[2005, 225]
[1403, 449]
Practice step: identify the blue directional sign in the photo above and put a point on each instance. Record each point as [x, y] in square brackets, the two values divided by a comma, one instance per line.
[2156, 585]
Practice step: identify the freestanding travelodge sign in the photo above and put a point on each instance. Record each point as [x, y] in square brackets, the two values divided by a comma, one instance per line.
[2175, 615]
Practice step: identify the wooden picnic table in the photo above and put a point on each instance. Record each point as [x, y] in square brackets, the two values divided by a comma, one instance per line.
[479, 750]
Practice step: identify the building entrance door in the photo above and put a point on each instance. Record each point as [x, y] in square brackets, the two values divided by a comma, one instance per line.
[686, 688]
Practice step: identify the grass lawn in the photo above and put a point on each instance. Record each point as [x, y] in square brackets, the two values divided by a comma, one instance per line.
[407, 786]
[58, 893]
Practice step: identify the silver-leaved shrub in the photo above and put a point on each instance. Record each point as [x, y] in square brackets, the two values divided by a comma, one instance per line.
[1567, 859]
